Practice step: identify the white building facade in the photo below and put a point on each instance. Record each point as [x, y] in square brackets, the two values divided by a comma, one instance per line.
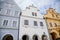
[32, 25]
[9, 19]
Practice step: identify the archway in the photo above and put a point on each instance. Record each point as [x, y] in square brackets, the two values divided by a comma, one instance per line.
[7, 37]
[53, 36]
[35, 37]
[58, 39]
[25, 37]
[44, 37]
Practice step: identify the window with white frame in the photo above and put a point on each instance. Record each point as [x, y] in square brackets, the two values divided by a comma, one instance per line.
[0, 9]
[8, 11]
[5, 22]
[50, 24]
[34, 14]
[26, 22]
[35, 23]
[16, 13]
[41, 24]
[14, 23]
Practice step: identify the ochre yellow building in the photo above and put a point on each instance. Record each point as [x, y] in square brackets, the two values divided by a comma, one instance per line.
[53, 22]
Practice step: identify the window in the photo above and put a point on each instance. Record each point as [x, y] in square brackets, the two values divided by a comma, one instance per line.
[41, 23]
[55, 24]
[0, 9]
[52, 15]
[27, 7]
[25, 22]
[50, 24]
[16, 13]
[59, 32]
[44, 37]
[35, 37]
[8, 11]
[20, 13]
[57, 16]
[35, 23]
[33, 13]
[5, 22]
[14, 23]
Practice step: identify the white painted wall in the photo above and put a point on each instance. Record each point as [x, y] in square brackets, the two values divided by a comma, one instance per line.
[30, 29]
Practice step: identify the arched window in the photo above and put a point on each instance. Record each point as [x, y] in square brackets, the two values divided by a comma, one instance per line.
[8, 37]
[25, 37]
[35, 37]
[44, 37]
[53, 35]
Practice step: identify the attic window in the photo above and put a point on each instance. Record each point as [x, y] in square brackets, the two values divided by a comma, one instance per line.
[34, 14]
[27, 8]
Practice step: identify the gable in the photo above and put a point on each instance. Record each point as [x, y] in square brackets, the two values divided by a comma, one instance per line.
[31, 9]
[51, 13]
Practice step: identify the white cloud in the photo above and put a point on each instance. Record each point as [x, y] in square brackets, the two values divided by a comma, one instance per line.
[38, 3]
[24, 3]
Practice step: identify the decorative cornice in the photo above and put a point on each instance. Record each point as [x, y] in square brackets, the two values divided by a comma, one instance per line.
[32, 17]
[51, 18]
[9, 16]
[10, 28]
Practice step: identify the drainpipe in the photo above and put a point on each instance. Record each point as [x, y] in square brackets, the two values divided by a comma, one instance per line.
[19, 25]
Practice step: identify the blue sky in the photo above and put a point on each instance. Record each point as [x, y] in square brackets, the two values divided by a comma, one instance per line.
[42, 5]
